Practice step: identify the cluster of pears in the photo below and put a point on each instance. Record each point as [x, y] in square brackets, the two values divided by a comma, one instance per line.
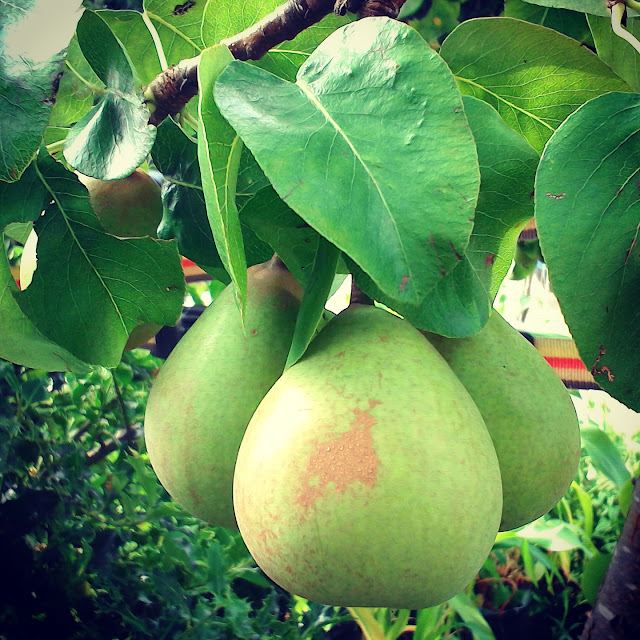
[378, 469]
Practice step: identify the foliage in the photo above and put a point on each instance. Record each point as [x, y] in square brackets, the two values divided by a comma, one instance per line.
[93, 547]
[408, 154]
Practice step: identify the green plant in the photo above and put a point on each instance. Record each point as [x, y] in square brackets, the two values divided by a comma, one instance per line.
[92, 546]
[354, 147]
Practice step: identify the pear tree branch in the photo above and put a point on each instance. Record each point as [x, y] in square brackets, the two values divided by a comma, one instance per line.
[170, 91]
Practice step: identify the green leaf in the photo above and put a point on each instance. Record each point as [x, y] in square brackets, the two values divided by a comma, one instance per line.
[593, 574]
[552, 534]
[114, 138]
[616, 52]
[219, 150]
[130, 29]
[625, 496]
[588, 219]
[459, 305]
[315, 297]
[31, 61]
[468, 611]
[77, 87]
[593, 7]
[350, 147]
[534, 76]
[185, 213]
[604, 455]
[22, 201]
[587, 508]
[285, 59]
[22, 342]
[180, 31]
[219, 24]
[571, 23]
[91, 289]
[285, 231]
[184, 210]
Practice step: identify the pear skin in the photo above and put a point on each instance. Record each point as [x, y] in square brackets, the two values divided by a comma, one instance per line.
[528, 412]
[366, 476]
[210, 385]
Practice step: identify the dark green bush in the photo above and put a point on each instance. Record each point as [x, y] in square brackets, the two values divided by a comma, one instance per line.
[91, 546]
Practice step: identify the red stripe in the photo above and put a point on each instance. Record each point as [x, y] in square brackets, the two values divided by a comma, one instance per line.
[188, 263]
[565, 363]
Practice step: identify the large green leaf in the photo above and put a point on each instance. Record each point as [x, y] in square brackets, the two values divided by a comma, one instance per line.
[21, 342]
[219, 151]
[459, 305]
[91, 289]
[371, 147]
[571, 23]
[593, 7]
[588, 218]
[616, 52]
[22, 201]
[31, 61]
[534, 76]
[114, 138]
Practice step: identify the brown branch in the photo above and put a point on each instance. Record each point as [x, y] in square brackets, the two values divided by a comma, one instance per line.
[615, 613]
[170, 91]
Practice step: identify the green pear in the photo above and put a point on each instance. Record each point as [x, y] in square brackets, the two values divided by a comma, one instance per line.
[130, 207]
[528, 413]
[366, 476]
[210, 385]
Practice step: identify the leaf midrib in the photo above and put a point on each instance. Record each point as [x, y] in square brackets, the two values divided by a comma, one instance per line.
[314, 100]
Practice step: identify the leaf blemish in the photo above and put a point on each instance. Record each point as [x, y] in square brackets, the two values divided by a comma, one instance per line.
[403, 283]
[300, 183]
[181, 9]
[457, 255]
[489, 259]
[555, 196]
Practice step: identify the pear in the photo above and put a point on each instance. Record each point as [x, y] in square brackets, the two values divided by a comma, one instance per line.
[130, 207]
[366, 476]
[528, 413]
[210, 385]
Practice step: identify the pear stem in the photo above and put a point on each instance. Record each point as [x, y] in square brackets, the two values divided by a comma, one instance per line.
[357, 295]
[371, 630]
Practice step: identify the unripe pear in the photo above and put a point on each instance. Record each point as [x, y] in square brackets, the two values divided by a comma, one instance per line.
[528, 413]
[210, 385]
[366, 476]
[130, 207]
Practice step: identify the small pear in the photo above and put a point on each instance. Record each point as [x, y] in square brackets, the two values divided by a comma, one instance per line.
[128, 207]
[528, 413]
[210, 385]
[366, 476]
